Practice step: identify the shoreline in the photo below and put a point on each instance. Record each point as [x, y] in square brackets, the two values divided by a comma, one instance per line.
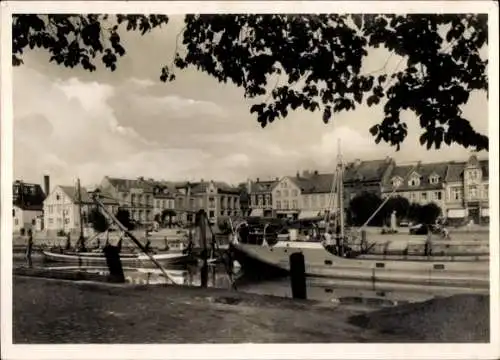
[50, 311]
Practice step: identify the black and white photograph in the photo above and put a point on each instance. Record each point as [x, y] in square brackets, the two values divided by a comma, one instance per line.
[317, 177]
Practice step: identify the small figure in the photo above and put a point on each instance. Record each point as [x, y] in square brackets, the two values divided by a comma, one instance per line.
[68, 241]
[29, 249]
[428, 243]
[147, 247]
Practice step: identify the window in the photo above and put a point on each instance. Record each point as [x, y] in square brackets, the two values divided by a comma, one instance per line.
[261, 200]
[58, 197]
[66, 220]
[396, 182]
[437, 195]
[278, 193]
[424, 196]
[473, 192]
[306, 201]
[434, 179]
[413, 196]
[295, 193]
[16, 221]
[473, 175]
[456, 193]
[285, 204]
[485, 192]
[295, 204]
[13, 212]
[414, 181]
[285, 193]
[278, 204]
[211, 213]
[51, 221]
[33, 222]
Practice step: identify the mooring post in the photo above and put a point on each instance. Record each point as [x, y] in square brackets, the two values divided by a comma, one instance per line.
[114, 263]
[298, 276]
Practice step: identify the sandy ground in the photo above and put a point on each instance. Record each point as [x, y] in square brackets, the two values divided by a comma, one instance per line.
[58, 311]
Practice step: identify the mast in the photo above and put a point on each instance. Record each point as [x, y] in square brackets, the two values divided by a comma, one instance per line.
[340, 189]
[79, 194]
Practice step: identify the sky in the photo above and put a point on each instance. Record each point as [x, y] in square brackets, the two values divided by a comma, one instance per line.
[71, 124]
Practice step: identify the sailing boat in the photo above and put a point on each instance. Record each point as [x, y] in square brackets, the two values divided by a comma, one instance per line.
[350, 256]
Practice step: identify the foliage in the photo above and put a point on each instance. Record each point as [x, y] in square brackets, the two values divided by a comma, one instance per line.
[399, 204]
[157, 218]
[424, 214]
[98, 220]
[314, 61]
[362, 207]
[429, 213]
[123, 216]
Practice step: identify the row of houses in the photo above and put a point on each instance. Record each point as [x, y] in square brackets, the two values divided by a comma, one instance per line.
[146, 200]
[460, 189]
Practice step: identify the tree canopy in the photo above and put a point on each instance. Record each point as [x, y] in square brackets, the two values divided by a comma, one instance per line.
[319, 57]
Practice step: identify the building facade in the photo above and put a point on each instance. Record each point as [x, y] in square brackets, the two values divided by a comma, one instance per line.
[218, 199]
[366, 176]
[164, 199]
[61, 208]
[27, 206]
[136, 196]
[261, 197]
[286, 197]
[420, 183]
[467, 191]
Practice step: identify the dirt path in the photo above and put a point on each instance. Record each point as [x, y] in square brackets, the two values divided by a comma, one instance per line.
[55, 311]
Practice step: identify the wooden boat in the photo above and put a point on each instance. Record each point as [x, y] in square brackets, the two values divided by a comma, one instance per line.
[129, 260]
[438, 263]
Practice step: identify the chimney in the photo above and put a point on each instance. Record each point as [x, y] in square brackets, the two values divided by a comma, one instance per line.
[249, 186]
[298, 175]
[357, 162]
[46, 184]
[315, 172]
[258, 180]
[277, 179]
[306, 173]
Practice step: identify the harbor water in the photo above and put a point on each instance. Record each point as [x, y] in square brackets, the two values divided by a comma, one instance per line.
[319, 289]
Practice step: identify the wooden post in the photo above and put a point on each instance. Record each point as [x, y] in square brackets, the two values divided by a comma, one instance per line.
[204, 253]
[133, 238]
[114, 263]
[81, 241]
[298, 276]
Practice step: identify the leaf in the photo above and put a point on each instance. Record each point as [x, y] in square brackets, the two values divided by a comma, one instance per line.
[327, 114]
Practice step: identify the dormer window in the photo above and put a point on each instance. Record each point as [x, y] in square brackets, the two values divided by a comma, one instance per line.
[434, 179]
[414, 181]
[396, 182]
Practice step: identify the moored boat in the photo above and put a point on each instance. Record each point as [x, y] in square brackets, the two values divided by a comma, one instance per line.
[131, 260]
[346, 256]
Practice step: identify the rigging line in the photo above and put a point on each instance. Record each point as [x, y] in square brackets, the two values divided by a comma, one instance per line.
[388, 197]
[132, 237]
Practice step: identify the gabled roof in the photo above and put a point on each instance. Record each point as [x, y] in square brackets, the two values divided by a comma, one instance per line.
[424, 171]
[72, 193]
[126, 184]
[455, 171]
[263, 186]
[372, 170]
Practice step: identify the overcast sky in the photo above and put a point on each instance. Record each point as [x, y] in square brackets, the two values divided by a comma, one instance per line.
[69, 123]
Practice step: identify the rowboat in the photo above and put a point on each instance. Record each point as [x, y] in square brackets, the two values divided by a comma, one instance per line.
[130, 260]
